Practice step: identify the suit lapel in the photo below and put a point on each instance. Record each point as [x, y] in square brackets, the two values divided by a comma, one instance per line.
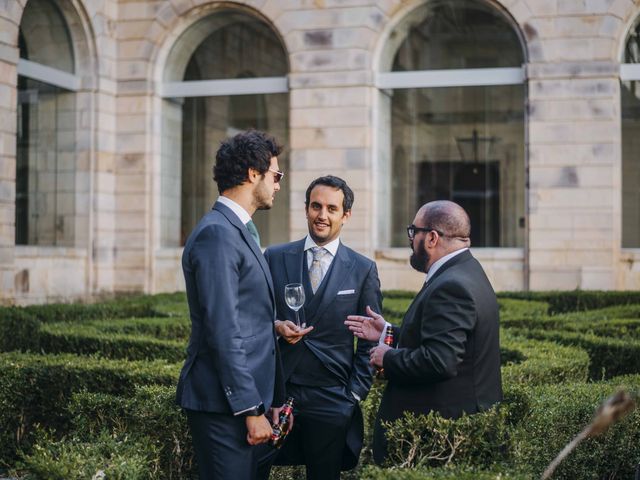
[293, 262]
[248, 239]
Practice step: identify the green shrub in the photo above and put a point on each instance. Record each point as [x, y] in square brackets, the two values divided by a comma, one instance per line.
[89, 340]
[455, 472]
[430, 440]
[35, 389]
[76, 312]
[577, 300]
[541, 362]
[609, 357]
[173, 328]
[150, 412]
[106, 456]
[18, 330]
[521, 309]
[557, 413]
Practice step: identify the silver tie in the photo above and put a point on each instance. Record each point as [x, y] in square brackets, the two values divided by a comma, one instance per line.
[315, 271]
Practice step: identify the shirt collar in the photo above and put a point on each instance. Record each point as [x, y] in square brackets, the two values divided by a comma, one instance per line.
[436, 266]
[240, 212]
[331, 247]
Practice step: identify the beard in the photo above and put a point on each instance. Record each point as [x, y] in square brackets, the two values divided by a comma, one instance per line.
[419, 259]
[262, 198]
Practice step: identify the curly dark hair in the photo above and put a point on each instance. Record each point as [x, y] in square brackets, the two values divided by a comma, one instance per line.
[335, 182]
[236, 155]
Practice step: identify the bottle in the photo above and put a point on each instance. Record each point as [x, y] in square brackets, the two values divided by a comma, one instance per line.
[388, 340]
[281, 430]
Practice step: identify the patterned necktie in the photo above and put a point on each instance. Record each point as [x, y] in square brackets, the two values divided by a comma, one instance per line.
[253, 231]
[315, 271]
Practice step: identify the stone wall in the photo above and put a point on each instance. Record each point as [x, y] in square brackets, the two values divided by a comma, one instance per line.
[336, 125]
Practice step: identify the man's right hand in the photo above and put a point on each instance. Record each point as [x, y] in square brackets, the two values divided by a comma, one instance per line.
[290, 331]
[368, 328]
[258, 429]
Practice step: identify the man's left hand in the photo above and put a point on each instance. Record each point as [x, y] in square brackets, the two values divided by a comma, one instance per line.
[376, 354]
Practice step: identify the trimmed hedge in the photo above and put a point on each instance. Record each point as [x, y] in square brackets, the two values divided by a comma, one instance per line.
[89, 340]
[577, 300]
[150, 412]
[541, 362]
[34, 389]
[456, 472]
[106, 456]
[609, 357]
[557, 413]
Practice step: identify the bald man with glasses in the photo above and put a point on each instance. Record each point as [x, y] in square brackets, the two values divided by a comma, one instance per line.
[447, 354]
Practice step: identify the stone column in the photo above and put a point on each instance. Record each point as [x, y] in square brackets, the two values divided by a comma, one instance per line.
[574, 153]
[8, 101]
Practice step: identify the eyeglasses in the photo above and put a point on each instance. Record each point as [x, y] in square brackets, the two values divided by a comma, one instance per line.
[412, 229]
[277, 175]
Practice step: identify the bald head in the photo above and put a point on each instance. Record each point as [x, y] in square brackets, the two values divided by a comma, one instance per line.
[447, 217]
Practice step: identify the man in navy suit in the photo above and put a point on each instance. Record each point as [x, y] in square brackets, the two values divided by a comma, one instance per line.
[228, 379]
[322, 372]
[447, 355]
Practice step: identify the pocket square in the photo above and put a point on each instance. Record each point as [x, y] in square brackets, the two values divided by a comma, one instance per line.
[346, 292]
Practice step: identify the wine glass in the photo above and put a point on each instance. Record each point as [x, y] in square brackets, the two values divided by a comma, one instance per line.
[294, 296]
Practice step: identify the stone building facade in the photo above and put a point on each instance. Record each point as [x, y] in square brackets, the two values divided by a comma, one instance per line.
[527, 112]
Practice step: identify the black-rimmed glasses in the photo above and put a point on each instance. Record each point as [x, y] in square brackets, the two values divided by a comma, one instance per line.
[412, 229]
[277, 175]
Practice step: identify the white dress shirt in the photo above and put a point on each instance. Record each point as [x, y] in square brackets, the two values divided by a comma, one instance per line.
[325, 262]
[240, 212]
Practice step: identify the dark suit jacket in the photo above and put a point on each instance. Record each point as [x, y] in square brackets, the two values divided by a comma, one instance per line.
[231, 357]
[448, 355]
[330, 340]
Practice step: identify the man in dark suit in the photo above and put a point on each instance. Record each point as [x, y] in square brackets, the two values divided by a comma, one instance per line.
[228, 379]
[447, 355]
[323, 373]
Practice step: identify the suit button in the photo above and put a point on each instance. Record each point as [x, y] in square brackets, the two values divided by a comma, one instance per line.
[273, 352]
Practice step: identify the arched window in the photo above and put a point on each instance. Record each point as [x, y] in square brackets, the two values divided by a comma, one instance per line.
[232, 71]
[46, 153]
[630, 110]
[456, 97]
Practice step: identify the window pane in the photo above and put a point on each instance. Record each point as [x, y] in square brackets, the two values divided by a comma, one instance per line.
[465, 145]
[206, 122]
[243, 47]
[44, 37]
[238, 46]
[630, 99]
[45, 165]
[458, 34]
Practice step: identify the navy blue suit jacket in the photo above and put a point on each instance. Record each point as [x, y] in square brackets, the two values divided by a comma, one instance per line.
[356, 278]
[232, 354]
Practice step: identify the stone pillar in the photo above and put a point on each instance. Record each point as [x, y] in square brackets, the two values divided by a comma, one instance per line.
[574, 168]
[332, 120]
[8, 101]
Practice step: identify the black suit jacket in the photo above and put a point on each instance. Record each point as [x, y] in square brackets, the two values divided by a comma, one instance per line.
[349, 286]
[448, 355]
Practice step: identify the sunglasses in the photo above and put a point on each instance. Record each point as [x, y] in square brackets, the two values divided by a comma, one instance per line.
[277, 175]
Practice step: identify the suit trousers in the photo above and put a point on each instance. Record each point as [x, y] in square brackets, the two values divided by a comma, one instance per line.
[321, 419]
[220, 445]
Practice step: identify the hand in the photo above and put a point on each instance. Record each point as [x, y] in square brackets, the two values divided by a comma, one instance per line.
[367, 328]
[275, 417]
[376, 354]
[258, 429]
[290, 331]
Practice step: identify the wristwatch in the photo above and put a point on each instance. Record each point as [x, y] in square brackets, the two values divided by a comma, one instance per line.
[254, 411]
